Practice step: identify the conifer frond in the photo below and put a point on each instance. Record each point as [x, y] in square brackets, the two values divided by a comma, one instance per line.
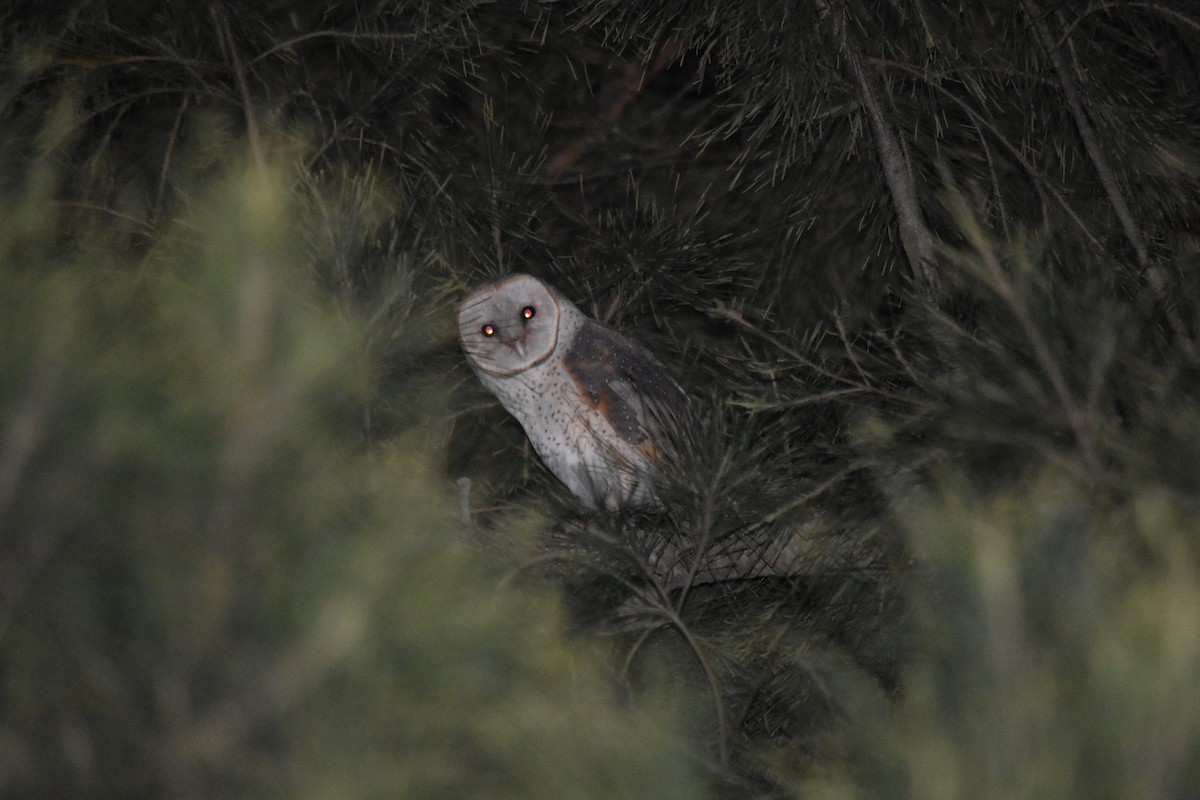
[232, 236]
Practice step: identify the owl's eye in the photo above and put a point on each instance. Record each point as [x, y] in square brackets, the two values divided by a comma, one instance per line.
[528, 311]
[488, 329]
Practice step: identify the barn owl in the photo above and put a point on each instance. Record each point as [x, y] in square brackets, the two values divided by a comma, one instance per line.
[594, 404]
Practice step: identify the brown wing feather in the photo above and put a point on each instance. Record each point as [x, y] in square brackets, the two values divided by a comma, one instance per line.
[626, 384]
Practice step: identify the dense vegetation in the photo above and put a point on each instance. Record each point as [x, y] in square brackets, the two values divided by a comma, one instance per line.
[928, 272]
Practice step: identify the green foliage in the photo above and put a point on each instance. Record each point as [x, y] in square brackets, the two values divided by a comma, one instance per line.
[1060, 656]
[927, 271]
[210, 587]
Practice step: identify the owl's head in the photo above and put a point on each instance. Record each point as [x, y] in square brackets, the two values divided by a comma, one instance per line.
[510, 324]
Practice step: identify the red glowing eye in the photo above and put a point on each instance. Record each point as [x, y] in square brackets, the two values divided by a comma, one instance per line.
[489, 329]
[528, 311]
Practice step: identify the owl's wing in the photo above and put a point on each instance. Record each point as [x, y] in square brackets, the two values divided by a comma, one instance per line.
[624, 383]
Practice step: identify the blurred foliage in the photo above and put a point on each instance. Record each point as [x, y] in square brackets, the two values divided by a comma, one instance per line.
[1060, 651]
[210, 587]
[927, 270]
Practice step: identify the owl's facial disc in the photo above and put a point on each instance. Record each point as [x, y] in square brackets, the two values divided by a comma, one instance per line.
[509, 325]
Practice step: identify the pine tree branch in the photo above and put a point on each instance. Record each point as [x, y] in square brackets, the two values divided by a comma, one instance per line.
[626, 86]
[915, 236]
[995, 179]
[667, 617]
[351, 36]
[172, 141]
[704, 540]
[1161, 10]
[722, 311]
[914, 233]
[1041, 183]
[221, 19]
[1073, 411]
[1108, 179]
[710, 676]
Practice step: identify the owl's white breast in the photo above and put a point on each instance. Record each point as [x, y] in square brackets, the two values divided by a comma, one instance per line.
[571, 437]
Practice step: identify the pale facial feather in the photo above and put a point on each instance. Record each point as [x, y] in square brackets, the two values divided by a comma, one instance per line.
[515, 343]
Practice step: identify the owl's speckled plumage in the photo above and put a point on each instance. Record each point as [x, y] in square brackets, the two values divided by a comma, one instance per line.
[593, 403]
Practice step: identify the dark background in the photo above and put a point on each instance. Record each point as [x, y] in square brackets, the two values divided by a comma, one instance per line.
[927, 270]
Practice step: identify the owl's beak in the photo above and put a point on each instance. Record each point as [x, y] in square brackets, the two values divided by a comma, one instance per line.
[519, 346]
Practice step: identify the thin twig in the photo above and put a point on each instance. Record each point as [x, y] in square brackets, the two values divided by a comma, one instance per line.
[894, 346]
[124, 61]
[628, 85]
[700, 548]
[995, 179]
[915, 236]
[710, 675]
[1161, 10]
[1040, 182]
[171, 140]
[799, 402]
[813, 493]
[353, 36]
[722, 311]
[148, 229]
[221, 20]
[1075, 416]
[845, 340]
[1108, 179]
[914, 233]
[666, 612]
